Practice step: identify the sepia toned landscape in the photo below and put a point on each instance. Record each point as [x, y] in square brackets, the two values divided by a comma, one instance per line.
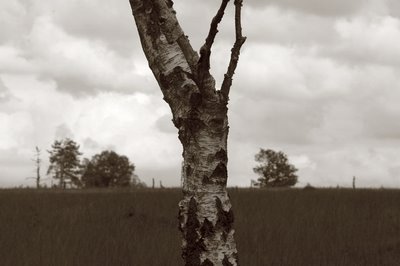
[118, 119]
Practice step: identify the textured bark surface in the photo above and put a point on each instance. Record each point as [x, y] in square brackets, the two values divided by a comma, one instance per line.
[200, 114]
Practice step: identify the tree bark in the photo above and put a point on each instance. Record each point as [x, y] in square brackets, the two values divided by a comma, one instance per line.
[200, 114]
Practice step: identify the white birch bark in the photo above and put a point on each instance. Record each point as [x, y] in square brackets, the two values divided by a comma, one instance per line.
[200, 113]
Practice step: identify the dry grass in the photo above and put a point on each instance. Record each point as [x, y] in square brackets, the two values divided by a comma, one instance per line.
[320, 227]
[284, 227]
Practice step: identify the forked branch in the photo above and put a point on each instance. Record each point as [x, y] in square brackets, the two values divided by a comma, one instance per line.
[235, 52]
[205, 50]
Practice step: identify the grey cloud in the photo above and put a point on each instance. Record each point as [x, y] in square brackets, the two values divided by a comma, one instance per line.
[110, 22]
[91, 144]
[164, 124]
[65, 44]
[272, 25]
[275, 121]
[382, 124]
[63, 131]
[14, 21]
[357, 57]
[4, 92]
[317, 7]
[15, 168]
[393, 7]
[12, 158]
[361, 40]
[80, 84]
[395, 173]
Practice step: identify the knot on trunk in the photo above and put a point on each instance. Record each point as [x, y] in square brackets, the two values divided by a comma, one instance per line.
[207, 229]
[226, 262]
[221, 155]
[224, 219]
[195, 99]
[194, 245]
[219, 175]
[207, 262]
[173, 79]
[217, 125]
[189, 127]
[170, 4]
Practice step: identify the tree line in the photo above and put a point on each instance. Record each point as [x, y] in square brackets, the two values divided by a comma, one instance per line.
[106, 169]
[110, 169]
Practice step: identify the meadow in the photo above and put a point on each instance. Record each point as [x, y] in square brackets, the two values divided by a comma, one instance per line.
[139, 227]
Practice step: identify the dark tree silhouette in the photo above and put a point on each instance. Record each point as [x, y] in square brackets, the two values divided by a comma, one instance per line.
[64, 161]
[107, 169]
[199, 112]
[274, 169]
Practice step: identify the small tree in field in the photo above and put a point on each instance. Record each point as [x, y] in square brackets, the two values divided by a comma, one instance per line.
[274, 169]
[107, 169]
[64, 161]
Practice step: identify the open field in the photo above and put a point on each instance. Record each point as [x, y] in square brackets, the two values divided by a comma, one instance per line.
[280, 227]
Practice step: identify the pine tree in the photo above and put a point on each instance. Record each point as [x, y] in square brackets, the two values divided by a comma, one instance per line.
[64, 162]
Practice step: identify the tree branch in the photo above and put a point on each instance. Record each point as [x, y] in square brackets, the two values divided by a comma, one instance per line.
[205, 51]
[168, 51]
[174, 33]
[235, 52]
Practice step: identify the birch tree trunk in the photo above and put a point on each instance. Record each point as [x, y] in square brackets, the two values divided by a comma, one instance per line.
[200, 114]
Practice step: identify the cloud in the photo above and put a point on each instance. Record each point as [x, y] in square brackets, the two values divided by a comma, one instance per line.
[113, 23]
[12, 61]
[14, 129]
[4, 92]
[164, 124]
[380, 122]
[315, 7]
[272, 25]
[302, 161]
[364, 40]
[90, 144]
[80, 65]
[369, 165]
[15, 167]
[63, 131]
[12, 19]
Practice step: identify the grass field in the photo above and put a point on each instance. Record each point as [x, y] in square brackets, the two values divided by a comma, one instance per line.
[280, 227]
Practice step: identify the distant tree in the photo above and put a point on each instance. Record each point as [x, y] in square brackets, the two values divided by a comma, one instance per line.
[136, 182]
[309, 187]
[37, 161]
[274, 169]
[107, 169]
[64, 162]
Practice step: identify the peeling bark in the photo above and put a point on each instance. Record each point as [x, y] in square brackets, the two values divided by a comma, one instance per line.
[200, 114]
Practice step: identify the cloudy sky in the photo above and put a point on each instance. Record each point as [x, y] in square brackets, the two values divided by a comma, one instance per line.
[319, 80]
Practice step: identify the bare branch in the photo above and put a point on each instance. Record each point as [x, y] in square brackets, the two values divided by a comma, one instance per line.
[235, 52]
[191, 56]
[205, 50]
